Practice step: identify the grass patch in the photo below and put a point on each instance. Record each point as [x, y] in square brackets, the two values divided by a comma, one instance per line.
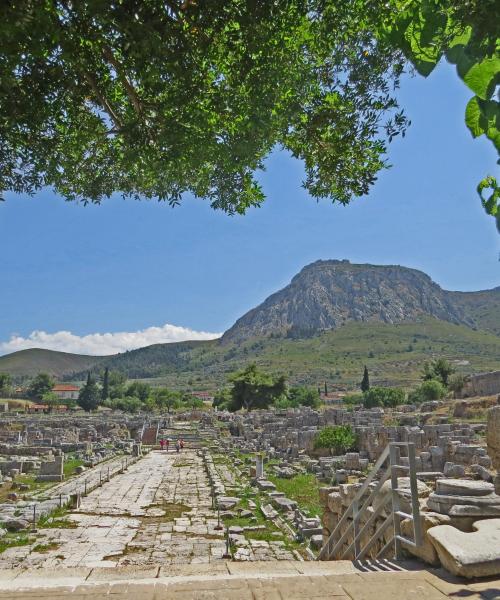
[172, 511]
[56, 520]
[42, 548]
[70, 466]
[303, 488]
[13, 541]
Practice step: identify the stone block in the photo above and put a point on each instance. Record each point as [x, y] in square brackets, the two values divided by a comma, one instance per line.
[427, 552]
[469, 555]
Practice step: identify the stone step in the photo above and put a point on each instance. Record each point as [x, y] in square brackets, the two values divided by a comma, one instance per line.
[226, 579]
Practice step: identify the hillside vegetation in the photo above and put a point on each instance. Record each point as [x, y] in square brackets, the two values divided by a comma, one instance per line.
[27, 363]
[394, 354]
[332, 319]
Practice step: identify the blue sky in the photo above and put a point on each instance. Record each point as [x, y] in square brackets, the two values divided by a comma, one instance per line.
[127, 266]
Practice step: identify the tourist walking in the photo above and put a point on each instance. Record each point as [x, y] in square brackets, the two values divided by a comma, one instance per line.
[167, 442]
[181, 442]
[162, 444]
[177, 445]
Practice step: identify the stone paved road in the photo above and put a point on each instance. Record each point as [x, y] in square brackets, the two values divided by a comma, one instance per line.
[92, 476]
[157, 512]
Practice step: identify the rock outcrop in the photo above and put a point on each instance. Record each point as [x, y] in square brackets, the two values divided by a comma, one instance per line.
[327, 294]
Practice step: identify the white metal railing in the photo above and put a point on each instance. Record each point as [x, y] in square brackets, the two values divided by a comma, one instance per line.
[335, 547]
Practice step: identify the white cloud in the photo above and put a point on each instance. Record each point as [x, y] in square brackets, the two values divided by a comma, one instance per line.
[103, 343]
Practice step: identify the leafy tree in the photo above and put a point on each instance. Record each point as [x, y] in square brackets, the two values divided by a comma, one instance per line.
[139, 389]
[365, 382]
[439, 369]
[466, 34]
[155, 99]
[40, 385]
[5, 385]
[105, 385]
[129, 404]
[222, 399]
[430, 389]
[252, 388]
[166, 399]
[89, 396]
[192, 402]
[383, 396]
[456, 383]
[338, 439]
[116, 382]
[304, 396]
[51, 399]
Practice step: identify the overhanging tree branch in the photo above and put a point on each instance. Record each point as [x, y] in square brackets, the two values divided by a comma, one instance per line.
[129, 88]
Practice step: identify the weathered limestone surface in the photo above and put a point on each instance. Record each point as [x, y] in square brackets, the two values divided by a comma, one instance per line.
[469, 555]
[493, 436]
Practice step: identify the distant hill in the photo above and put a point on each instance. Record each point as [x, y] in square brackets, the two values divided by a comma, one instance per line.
[393, 353]
[332, 318]
[149, 361]
[26, 363]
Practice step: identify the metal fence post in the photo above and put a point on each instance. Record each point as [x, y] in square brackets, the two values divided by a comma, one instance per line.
[394, 458]
[415, 505]
[355, 526]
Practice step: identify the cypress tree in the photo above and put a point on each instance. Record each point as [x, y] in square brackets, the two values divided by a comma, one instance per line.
[89, 397]
[365, 382]
[105, 385]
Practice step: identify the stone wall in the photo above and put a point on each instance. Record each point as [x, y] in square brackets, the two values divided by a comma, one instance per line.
[482, 384]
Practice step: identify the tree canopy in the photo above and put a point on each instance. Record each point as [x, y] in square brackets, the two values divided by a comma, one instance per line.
[337, 439]
[155, 99]
[465, 32]
[252, 389]
[40, 385]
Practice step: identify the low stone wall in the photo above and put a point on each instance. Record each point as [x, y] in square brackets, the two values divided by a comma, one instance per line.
[482, 384]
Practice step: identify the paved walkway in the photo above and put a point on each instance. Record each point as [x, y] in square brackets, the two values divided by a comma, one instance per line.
[157, 512]
[284, 580]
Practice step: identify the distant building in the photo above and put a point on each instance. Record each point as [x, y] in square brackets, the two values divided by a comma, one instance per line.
[205, 396]
[65, 391]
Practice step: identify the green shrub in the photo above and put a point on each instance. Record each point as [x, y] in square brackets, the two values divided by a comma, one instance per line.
[432, 389]
[337, 439]
[383, 396]
[353, 399]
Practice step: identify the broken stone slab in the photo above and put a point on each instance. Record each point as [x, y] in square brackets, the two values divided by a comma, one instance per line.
[227, 502]
[426, 551]
[17, 524]
[465, 510]
[265, 485]
[283, 503]
[316, 541]
[268, 511]
[452, 470]
[475, 554]
[429, 475]
[463, 487]
[481, 472]
[404, 493]
[443, 504]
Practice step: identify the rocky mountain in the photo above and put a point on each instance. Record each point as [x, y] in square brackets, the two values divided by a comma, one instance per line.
[330, 293]
[333, 317]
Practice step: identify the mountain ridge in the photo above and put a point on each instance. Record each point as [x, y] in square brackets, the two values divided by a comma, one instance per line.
[325, 295]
